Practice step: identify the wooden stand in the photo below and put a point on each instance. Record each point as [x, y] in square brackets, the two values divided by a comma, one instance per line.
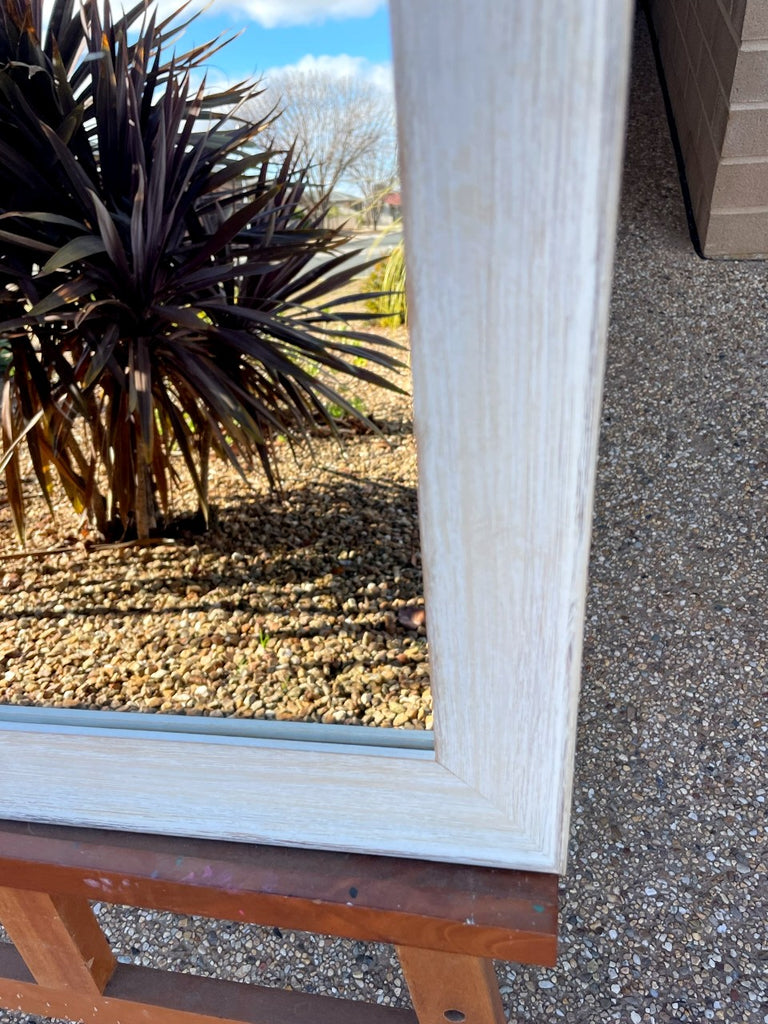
[446, 922]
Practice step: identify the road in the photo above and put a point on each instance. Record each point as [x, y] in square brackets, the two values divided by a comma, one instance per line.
[370, 245]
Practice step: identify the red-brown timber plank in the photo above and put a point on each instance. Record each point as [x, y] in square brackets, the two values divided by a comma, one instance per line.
[140, 995]
[481, 912]
[450, 987]
[58, 938]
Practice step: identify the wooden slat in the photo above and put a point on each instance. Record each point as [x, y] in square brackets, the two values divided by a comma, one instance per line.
[484, 912]
[447, 987]
[138, 995]
[58, 938]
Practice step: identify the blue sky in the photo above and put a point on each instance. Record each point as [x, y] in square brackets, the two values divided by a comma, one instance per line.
[349, 36]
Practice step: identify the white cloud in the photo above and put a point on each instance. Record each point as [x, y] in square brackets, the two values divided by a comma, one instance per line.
[342, 66]
[270, 13]
[281, 13]
[285, 13]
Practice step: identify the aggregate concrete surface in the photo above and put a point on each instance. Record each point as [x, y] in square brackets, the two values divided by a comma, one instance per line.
[665, 905]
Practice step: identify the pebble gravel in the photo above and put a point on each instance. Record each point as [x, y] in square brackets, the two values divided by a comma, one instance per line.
[289, 607]
[664, 910]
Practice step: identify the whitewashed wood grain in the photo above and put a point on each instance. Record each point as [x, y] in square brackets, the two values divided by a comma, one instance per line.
[366, 801]
[511, 123]
[511, 127]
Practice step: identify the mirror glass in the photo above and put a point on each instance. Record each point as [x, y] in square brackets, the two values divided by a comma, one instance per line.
[302, 603]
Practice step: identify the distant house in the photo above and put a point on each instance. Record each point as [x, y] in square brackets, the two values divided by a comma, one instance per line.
[353, 212]
[391, 206]
[345, 210]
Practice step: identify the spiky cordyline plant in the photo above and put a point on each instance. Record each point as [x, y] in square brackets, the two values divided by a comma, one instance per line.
[159, 287]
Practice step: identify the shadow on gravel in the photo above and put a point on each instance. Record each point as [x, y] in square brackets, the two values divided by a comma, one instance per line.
[356, 534]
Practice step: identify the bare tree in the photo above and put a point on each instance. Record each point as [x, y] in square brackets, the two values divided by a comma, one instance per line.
[343, 128]
[375, 176]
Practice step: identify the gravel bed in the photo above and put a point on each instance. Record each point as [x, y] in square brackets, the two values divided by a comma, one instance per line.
[665, 903]
[287, 608]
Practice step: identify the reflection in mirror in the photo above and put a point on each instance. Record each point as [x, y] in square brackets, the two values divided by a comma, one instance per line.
[299, 605]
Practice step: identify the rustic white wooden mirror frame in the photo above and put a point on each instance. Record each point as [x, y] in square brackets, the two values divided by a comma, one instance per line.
[511, 126]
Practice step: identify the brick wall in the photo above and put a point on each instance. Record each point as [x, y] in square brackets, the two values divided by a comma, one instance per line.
[715, 59]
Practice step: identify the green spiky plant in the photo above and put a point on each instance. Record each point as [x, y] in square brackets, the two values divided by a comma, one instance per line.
[160, 290]
[387, 283]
